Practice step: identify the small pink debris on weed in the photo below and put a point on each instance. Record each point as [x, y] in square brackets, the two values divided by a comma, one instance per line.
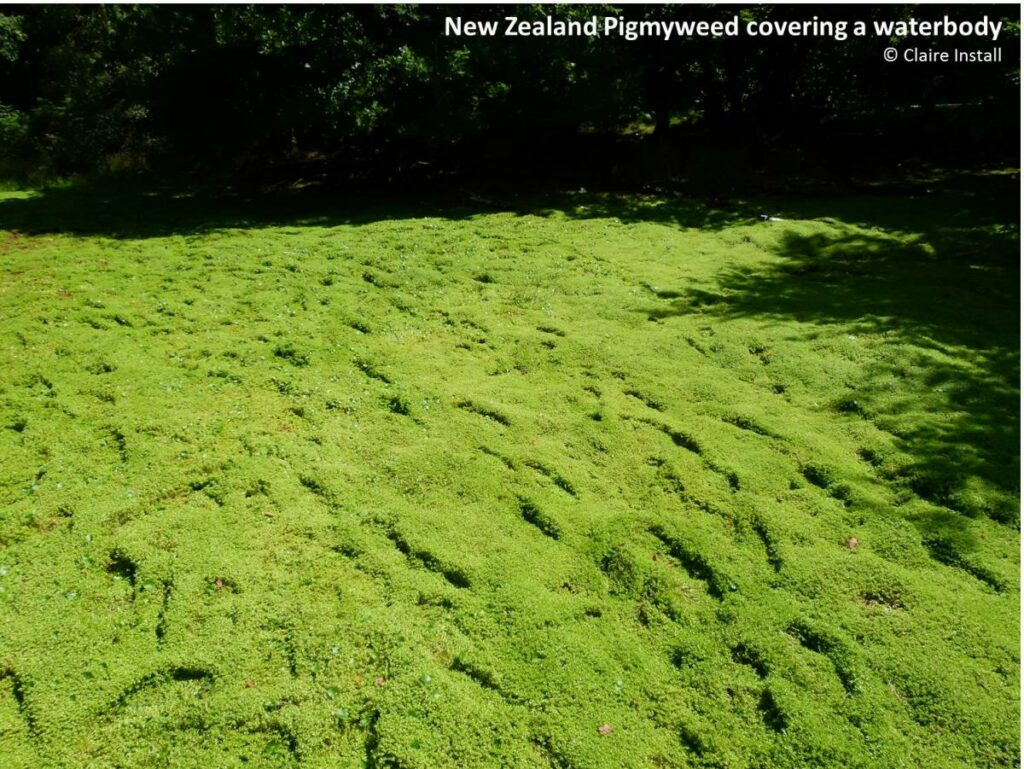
[604, 729]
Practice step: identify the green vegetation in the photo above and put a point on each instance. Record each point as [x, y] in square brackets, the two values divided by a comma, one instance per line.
[583, 481]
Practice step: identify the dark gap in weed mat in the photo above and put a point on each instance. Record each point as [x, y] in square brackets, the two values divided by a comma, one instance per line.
[209, 488]
[554, 756]
[649, 402]
[190, 674]
[889, 597]
[284, 387]
[290, 652]
[314, 486]
[695, 564]
[852, 406]
[825, 480]
[377, 282]
[290, 354]
[745, 655]
[681, 658]
[771, 547]
[427, 560]
[687, 442]
[710, 509]
[173, 674]
[532, 515]
[160, 629]
[872, 457]
[482, 678]
[673, 483]
[622, 570]
[509, 464]
[842, 493]
[730, 476]
[817, 476]
[484, 411]
[120, 442]
[259, 488]
[397, 405]
[18, 690]
[370, 371]
[774, 717]
[555, 478]
[99, 368]
[810, 639]
[348, 550]
[286, 740]
[832, 649]
[662, 293]
[679, 438]
[947, 553]
[745, 424]
[693, 742]
[761, 352]
[372, 744]
[123, 567]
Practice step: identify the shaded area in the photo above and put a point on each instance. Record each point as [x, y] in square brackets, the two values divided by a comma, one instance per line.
[151, 209]
[938, 275]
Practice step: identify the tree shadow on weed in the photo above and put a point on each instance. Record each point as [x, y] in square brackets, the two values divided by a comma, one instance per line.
[942, 288]
[148, 209]
[677, 211]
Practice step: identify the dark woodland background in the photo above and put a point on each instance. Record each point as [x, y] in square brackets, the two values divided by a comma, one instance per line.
[377, 95]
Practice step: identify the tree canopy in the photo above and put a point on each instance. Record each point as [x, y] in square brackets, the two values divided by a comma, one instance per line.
[109, 87]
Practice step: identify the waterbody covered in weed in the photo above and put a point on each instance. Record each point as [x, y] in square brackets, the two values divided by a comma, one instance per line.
[579, 481]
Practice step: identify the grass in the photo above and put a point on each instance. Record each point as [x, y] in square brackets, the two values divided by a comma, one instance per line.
[580, 481]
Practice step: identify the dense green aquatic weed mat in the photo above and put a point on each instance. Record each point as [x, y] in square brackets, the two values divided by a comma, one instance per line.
[597, 482]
